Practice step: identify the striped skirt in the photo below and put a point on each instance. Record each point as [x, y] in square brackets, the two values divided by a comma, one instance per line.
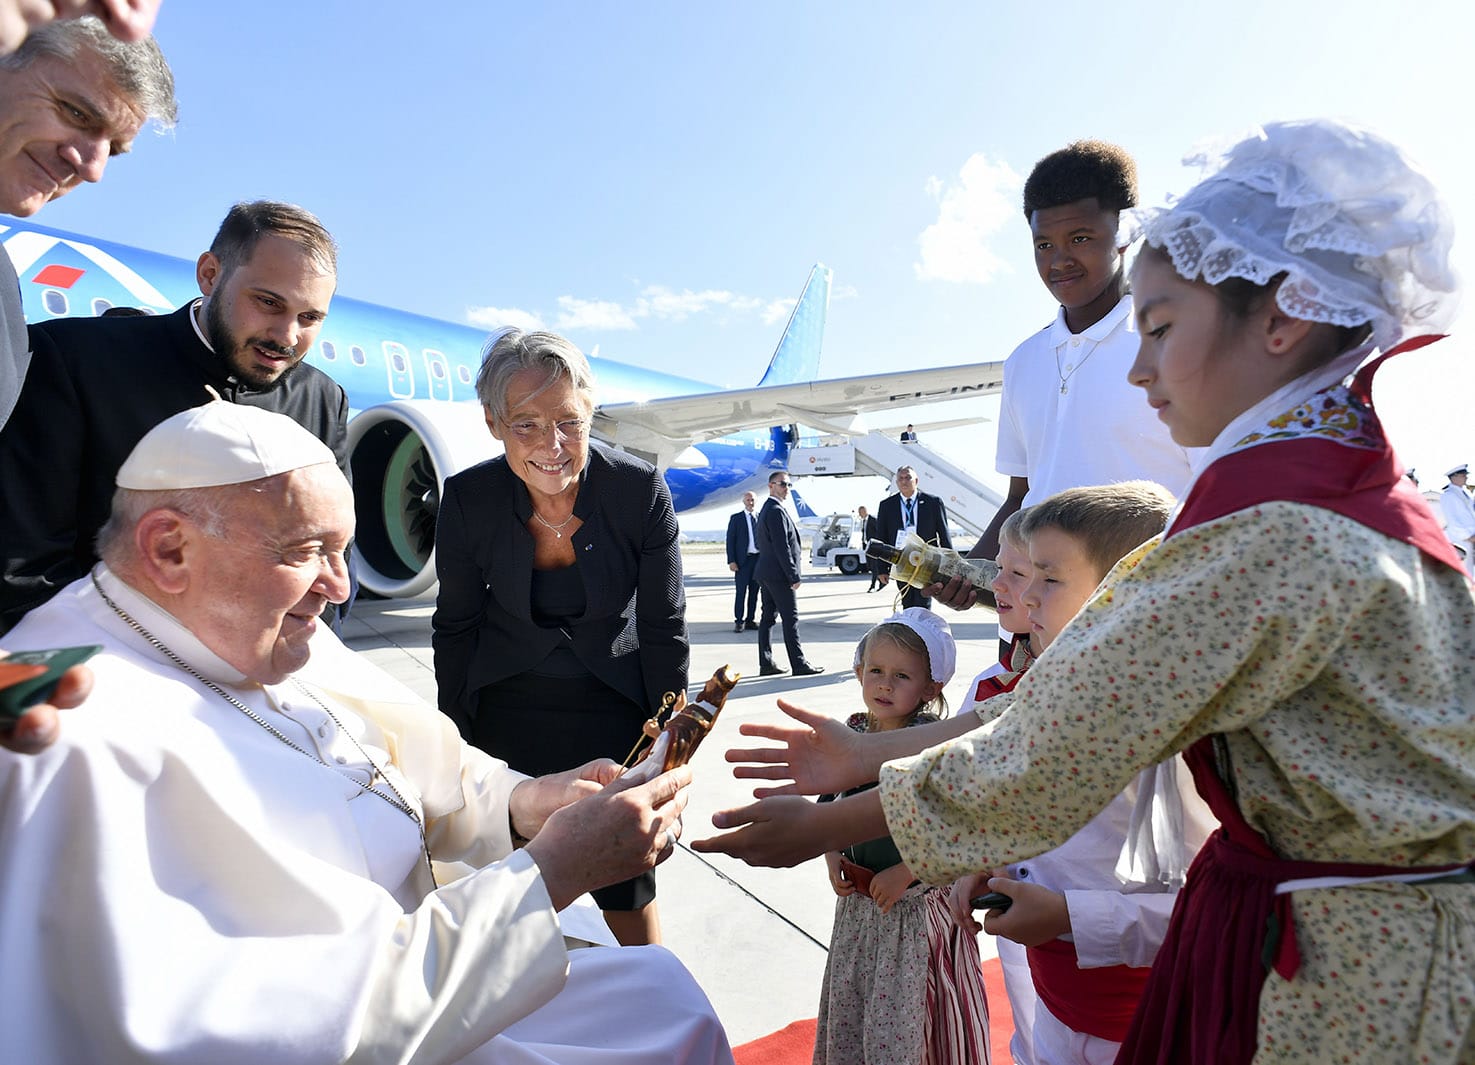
[901, 987]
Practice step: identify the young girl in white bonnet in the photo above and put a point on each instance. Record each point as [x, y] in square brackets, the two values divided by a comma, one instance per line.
[903, 983]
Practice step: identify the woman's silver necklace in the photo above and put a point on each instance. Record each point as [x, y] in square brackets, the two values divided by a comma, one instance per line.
[1066, 375]
[375, 773]
[548, 524]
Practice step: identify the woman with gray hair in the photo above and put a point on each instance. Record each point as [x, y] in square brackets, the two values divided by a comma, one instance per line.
[561, 619]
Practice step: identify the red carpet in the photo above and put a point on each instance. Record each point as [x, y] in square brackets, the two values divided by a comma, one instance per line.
[794, 1045]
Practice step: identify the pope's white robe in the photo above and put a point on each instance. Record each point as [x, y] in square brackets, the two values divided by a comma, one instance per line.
[177, 884]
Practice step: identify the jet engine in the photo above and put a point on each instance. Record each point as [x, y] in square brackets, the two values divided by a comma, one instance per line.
[401, 454]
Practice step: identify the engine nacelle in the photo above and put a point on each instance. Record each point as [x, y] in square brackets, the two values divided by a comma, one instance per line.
[401, 454]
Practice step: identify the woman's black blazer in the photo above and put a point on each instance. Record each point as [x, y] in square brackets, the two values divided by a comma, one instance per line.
[632, 634]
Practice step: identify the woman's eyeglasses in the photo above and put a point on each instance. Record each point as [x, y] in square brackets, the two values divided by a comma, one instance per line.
[570, 429]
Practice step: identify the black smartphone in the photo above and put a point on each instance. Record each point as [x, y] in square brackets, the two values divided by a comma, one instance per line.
[994, 900]
[29, 677]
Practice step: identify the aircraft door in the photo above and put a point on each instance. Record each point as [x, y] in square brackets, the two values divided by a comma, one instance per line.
[397, 366]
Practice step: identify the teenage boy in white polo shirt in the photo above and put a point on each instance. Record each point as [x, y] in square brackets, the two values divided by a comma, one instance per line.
[1068, 416]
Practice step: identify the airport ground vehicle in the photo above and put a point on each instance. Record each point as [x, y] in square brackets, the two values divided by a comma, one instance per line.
[833, 544]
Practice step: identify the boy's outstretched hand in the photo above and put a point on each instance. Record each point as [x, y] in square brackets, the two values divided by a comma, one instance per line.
[819, 755]
[776, 832]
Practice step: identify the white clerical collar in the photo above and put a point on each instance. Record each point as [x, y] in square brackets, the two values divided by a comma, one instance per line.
[194, 320]
[168, 629]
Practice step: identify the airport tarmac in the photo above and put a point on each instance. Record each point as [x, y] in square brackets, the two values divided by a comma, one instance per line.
[756, 939]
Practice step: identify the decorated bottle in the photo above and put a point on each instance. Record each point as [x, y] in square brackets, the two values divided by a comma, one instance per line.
[919, 564]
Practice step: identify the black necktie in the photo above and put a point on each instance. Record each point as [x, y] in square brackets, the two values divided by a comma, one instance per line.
[911, 512]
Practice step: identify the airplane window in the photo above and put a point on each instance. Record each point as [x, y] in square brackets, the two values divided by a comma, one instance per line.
[99, 305]
[438, 369]
[330, 353]
[55, 302]
[463, 373]
[357, 354]
[399, 362]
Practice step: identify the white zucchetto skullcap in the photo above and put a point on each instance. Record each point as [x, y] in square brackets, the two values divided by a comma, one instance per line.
[1461, 468]
[218, 444]
[937, 637]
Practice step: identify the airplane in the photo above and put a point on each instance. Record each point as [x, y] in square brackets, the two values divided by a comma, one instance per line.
[414, 418]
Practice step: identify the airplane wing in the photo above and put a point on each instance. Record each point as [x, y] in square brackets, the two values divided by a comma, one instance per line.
[671, 424]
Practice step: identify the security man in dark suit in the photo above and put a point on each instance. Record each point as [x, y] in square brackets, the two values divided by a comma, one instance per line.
[909, 510]
[778, 574]
[742, 560]
[870, 530]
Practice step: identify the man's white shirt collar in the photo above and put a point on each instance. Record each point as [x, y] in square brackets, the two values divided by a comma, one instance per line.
[1060, 333]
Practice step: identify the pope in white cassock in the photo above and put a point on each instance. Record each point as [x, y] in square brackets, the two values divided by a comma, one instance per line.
[225, 857]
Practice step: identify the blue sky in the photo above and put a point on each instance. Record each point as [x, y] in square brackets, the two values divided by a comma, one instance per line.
[656, 179]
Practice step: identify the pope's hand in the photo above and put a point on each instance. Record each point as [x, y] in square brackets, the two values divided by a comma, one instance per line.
[615, 834]
[533, 801]
[819, 755]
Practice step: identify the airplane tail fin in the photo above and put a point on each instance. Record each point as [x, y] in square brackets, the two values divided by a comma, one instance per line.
[797, 356]
[802, 508]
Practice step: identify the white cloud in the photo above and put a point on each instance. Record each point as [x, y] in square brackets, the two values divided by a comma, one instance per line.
[778, 311]
[575, 313]
[971, 212]
[654, 303]
[658, 301]
[501, 318]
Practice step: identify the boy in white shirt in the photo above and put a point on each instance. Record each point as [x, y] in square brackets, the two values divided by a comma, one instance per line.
[1088, 917]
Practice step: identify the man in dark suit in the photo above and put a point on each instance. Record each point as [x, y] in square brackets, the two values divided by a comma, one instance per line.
[742, 560]
[778, 574]
[870, 530]
[912, 511]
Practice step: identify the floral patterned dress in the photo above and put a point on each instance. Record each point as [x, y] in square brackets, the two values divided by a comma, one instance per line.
[903, 987]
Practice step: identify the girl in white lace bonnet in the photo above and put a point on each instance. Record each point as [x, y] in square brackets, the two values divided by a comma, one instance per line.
[1317, 629]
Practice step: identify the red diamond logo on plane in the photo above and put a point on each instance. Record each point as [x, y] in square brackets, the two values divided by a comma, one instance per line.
[58, 276]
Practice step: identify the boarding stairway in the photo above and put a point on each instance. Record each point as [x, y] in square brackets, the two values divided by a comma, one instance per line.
[970, 503]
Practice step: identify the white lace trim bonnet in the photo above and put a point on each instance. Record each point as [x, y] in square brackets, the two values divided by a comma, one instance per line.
[1359, 231]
